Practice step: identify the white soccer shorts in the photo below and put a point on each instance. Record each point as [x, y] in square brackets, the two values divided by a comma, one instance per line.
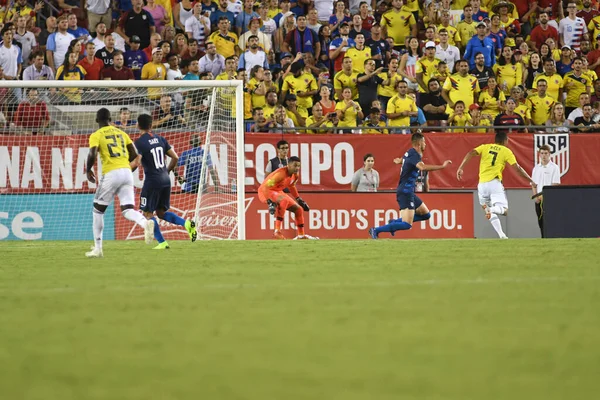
[492, 193]
[118, 182]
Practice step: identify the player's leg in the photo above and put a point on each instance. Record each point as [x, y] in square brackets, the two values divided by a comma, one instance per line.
[148, 203]
[406, 203]
[163, 204]
[484, 192]
[105, 192]
[421, 211]
[127, 202]
[539, 210]
[276, 197]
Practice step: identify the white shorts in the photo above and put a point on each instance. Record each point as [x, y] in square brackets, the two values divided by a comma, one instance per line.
[492, 193]
[118, 182]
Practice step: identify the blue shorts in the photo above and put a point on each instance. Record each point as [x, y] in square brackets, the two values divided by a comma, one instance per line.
[408, 200]
[152, 199]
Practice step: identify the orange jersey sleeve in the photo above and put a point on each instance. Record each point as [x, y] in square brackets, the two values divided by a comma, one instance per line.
[279, 180]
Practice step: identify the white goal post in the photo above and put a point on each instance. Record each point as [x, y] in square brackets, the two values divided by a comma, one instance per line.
[44, 132]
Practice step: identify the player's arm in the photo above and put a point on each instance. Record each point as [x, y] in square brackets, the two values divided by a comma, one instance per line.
[459, 171]
[427, 167]
[524, 174]
[91, 160]
[135, 159]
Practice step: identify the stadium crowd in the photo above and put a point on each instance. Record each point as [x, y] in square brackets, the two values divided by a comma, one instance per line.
[319, 66]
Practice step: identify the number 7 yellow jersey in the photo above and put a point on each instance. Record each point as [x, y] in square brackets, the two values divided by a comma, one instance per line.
[493, 159]
[112, 146]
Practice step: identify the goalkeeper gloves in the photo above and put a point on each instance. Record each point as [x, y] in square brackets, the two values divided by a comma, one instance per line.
[303, 204]
[272, 207]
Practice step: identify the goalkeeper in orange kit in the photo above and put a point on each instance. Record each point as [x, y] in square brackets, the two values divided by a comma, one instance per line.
[272, 192]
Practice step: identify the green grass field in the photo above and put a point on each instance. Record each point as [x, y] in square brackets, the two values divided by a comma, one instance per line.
[471, 319]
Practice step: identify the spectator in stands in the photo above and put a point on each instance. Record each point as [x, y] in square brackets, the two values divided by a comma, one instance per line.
[339, 16]
[584, 99]
[180, 43]
[400, 108]
[242, 21]
[492, 99]
[357, 28]
[154, 70]
[377, 42]
[117, 71]
[254, 29]
[225, 41]
[319, 122]
[445, 51]
[222, 11]
[281, 120]
[193, 73]
[359, 53]
[107, 53]
[481, 44]
[301, 39]
[135, 58]
[137, 22]
[596, 94]
[585, 123]
[38, 70]
[348, 111]
[25, 38]
[509, 118]
[325, 100]
[51, 25]
[98, 11]
[70, 71]
[543, 31]
[11, 59]
[540, 103]
[125, 120]
[192, 52]
[159, 15]
[230, 69]
[557, 122]
[481, 71]
[375, 121]
[408, 64]
[21, 8]
[211, 61]
[75, 30]
[91, 63]
[181, 12]
[433, 104]
[367, 83]
[426, 66]
[198, 26]
[167, 115]
[297, 113]
[554, 80]
[565, 64]
[32, 114]
[173, 72]
[58, 43]
[100, 35]
[261, 124]
[256, 87]
[460, 86]
[478, 119]
[155, 40]
[254, 55]
[346, 78]
[458, 117]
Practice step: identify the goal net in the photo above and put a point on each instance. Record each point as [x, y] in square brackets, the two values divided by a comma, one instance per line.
[44, 144]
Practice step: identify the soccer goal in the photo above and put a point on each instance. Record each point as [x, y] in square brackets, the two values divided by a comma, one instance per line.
[44, 132]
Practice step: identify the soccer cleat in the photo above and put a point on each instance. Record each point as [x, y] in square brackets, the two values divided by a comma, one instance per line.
[504, 237]
[149, 231]
[278, 235]
[94, 253]
[306, 237]
[486, 209]
[373, 234]
[162, 246]
[190, 227]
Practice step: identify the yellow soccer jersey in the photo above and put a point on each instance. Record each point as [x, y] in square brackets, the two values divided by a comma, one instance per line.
[341, 81]
[397, 105]
[304, 83]
[358, 58]
[326, 127]
[555, 83]
[466, 31]
[112, 146]
[490, 103]
[594, 30]
[574, 86]
[389, 89]
[348, 119]
[460, 120]
[258, 100]
[368, 128]
[592, 75]
[428, 68]
[398, 24]
[493, 160]
[461, 88]
[511, 74]
[225, 44]
[483, 121]
[540, 108]
[303, 113]
[453, 35]
[524, 111]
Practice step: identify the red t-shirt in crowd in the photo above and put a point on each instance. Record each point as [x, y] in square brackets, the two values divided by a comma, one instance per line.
[93, 69]
[592, 57]
[121, 75]
[31, 115]
[539, 35]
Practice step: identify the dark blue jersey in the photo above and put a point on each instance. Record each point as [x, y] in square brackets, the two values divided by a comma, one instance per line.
[409, 172]
[192, 159]
[153, 149]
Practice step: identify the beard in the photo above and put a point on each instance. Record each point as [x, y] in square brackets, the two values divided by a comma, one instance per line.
[254, 47]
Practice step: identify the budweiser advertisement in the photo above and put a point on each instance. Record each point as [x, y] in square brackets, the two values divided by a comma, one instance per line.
[332, 216]
[56, 164]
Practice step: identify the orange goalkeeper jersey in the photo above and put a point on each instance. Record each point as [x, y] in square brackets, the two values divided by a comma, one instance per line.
[279, 180]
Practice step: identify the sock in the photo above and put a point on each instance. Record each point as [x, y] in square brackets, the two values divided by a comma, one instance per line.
[497, 210]
[393, 227]
[98, 227]
[423, 217]
[174, 218]
[299, 213]
[278, 222]
[157, 233]
[135, 216]
[495, 221]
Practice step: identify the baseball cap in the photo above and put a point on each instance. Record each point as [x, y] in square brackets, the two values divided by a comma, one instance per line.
[290, 97]
[284, 55]
[566, 47]
[154, 50]
[344, 24]
[429, 44]
[135, 39]
[481, 23]
[474, 106]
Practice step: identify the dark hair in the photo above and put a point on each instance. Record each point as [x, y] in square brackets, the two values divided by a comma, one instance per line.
[416, 137]
[281, 143]
[502, 59]
[172, 55]
[255, 109]
[500, 137]
[293, 158]
[103, 115]
[367, 156]
[145, 122]
[123, 109]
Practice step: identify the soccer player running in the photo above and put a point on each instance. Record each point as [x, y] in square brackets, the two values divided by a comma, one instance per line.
[491, 193]
[156, 192]
[412, 208]
[119, 158]
[271, 192]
